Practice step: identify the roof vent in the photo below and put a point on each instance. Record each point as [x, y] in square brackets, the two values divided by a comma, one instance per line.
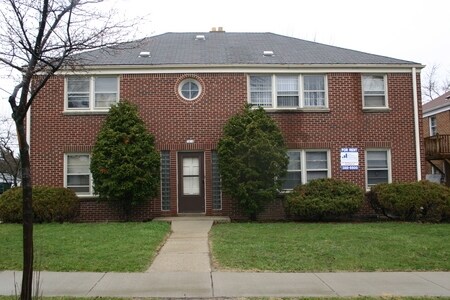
[268, 53]
[218, 29]
[200, 37]
[144, 54]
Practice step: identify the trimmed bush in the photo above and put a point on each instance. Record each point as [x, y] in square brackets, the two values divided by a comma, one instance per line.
[415, 201]
[50, 204]
[11, 206]
[325, 199]
[251, 154]
[125, 164]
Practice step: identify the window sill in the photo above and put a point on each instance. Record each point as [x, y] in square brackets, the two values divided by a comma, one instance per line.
[298, 110]
[87, 197]
[285, 192]
[85, 112]
[376, 109]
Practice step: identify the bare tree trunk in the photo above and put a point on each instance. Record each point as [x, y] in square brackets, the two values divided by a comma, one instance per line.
[27, 276]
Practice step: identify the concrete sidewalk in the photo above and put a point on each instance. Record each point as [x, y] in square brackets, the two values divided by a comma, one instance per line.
[182, 269]
[231, 284]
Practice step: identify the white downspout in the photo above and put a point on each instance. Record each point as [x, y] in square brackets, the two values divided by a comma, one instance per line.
[416, 125]
[28, 127]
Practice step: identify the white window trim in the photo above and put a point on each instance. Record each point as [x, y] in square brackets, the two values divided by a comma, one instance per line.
[297, 170]
[302, 88]
[386, 98]
[91, 182]
[200, 88]
[91, 107]
[430, 126]
[301, 95]
[303, 170]
[328, 163]
[388, 162]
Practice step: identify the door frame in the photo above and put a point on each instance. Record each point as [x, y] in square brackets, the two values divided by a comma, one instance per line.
[201, 155]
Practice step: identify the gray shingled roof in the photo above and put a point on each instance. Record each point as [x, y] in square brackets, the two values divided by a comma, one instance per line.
[438, 103]
[223, 48]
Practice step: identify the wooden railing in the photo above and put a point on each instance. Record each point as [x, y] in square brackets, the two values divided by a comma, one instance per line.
[437, 145]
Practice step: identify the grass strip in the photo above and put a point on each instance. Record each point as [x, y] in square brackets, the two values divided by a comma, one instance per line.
[104, 247]
[331, 247]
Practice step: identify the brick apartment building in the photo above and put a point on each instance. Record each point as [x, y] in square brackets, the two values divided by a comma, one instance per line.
[343, 113]
[436, 130]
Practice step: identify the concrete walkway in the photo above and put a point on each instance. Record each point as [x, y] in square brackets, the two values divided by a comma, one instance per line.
[182, 269]
[187, 248]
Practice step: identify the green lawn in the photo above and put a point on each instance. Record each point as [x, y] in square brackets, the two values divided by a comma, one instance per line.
[304, 247]
[105, 247]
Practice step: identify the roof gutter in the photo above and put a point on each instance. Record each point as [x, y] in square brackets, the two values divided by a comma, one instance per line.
[416, 125]
[246, 65]
[435, 111]
[239, 68]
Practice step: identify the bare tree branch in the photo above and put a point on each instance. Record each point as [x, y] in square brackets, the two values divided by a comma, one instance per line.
[38, 38]
[432, 86]
[9, 160]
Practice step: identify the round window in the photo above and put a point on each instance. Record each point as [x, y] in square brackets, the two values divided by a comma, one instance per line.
[190, 89]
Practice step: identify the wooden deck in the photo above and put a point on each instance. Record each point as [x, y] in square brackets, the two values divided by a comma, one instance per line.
[437, 147]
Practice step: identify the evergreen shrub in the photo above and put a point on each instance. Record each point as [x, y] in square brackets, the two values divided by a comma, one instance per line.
[324, 199]
[413, 201]
[50, 204]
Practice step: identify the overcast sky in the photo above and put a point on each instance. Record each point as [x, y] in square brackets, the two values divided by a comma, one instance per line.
[415, 30]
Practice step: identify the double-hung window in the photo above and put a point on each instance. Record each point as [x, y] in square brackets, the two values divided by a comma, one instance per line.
[77, 174]
[288, 91]
[433, 125]
[374, 91]
[294, 171]
[261, 90]
[304, 166]
[316, 165]
[314, 90]
[91, 92]
[378, 167]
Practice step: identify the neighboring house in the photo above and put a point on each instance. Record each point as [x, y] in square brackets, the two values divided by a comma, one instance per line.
[436, 130]
[5, 182]
[6, 179]
[343, 113]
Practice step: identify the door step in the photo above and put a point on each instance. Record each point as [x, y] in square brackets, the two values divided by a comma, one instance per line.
[191, 215]
[194, 217]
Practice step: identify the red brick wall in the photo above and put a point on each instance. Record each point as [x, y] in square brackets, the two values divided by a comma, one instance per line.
[173, 121]
[442, 122]
[347, 125]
